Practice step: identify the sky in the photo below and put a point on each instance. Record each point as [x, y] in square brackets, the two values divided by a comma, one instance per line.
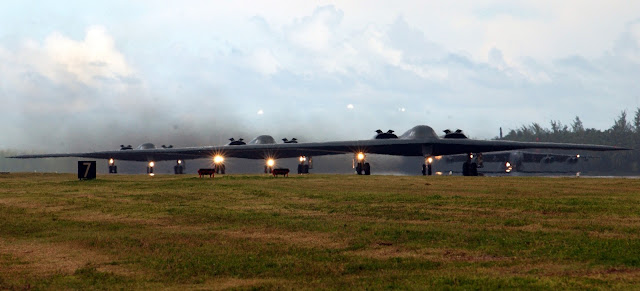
[91, 75]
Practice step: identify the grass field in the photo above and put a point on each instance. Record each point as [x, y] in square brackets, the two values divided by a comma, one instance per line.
[318, 231]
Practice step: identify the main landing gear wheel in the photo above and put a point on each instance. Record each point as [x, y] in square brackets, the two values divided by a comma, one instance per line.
[113, 169]
[469, 169]
[426, 169]
[220, 169]
[178, 169]
[303, 169]
[363, 169]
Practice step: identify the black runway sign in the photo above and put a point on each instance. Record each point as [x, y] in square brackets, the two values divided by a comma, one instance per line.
[86, 170]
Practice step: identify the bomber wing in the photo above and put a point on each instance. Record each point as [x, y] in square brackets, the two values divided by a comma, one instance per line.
[397, 147]
[526, 156]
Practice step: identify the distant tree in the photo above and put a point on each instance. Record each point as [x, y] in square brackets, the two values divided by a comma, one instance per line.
[636, 121]
[577, 126]
[555, 126]
[621, 125]
[537, 129]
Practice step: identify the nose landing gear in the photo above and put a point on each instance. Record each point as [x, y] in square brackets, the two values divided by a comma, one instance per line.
[426, 167]
[362, 167]
[304, 165]
[178, 169]
[113, 169]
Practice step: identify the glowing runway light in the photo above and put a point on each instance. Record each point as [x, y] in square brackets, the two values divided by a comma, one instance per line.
[508, 167]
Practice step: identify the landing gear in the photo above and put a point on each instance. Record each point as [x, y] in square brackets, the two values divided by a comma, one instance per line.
[178, 169]
[303, 168]
[426, 167]
[113, 169]
[362, 167]
[218, 164]
[470, 168]
[220, 168]
[150, 168]
[268, 168]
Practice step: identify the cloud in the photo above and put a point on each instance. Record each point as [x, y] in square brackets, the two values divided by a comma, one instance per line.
[264, 62]
[65, 75]
[198, 76]
[93, 61]
[628, 45]
[382, 66]
[67, 94]
[316, 32]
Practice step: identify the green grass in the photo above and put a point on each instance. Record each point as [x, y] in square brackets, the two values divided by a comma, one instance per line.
[318, 231]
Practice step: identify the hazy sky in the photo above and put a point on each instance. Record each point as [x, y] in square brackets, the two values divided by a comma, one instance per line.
[91, 75]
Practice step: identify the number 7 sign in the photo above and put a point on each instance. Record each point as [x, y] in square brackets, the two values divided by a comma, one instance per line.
[86, 170]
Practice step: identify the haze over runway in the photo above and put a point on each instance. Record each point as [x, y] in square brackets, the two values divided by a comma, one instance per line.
[83, 76]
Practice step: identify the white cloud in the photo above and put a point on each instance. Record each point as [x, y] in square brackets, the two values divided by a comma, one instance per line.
[524, 61]
[264, 62]
[316, 32]
[66, 75]
[633, 49]
[90, 61]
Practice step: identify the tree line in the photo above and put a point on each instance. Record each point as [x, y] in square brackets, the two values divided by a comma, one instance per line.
[623, 133]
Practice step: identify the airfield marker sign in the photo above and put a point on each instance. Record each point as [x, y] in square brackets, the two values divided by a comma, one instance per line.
[86, 170]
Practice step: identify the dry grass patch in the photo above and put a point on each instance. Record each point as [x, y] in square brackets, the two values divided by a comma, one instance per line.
[302, 238]
[96, 216]
[383, 250]
[26, 204]
[231, 284]
[556, 269]
[43, 259]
